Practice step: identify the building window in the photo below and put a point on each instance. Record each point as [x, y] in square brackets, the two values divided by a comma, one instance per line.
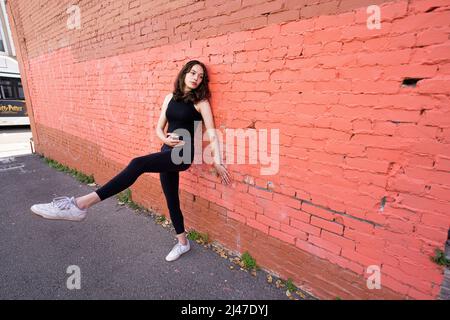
[11, 89]
[20, 89]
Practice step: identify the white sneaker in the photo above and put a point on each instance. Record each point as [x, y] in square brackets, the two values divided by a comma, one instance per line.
[177, 251]
[61, 208]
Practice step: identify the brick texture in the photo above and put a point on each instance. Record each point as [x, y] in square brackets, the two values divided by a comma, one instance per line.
[364, 159]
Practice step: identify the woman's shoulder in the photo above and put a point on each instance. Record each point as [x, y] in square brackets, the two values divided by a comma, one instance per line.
[168, 98]
[202, 102]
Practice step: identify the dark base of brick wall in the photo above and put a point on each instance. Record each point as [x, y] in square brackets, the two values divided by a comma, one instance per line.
[445, 288]
[316, 276]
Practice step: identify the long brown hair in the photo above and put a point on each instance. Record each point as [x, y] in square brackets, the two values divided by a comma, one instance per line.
[195, 95]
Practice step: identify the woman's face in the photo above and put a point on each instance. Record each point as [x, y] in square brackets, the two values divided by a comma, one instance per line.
[193, 78]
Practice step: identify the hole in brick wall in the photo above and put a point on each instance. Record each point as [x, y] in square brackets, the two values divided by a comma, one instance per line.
[422, 111]
[252, 125]
[410, 82]
[383, 203]
[431, 9]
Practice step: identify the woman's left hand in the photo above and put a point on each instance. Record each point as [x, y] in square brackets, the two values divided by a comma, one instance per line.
[223, 173]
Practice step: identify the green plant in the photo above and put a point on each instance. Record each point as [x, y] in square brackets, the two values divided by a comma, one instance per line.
[125, 196]
[133, 205]
[198, 236]
[81, 177]
[248, 260]
[160, 219]
[440, 258]
[290, 286]
[193, 235]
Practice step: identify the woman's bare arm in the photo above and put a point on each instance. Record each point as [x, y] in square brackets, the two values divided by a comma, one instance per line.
[205, 110]
[162, 121]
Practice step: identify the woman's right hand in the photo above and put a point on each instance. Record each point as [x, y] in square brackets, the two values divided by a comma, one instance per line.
[223, 173]
[172, 140]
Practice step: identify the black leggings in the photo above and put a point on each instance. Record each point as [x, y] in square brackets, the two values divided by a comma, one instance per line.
[169, 175]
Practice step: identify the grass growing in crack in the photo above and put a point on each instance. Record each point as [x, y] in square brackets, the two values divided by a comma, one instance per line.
[160, 219]
[248, 260]
[198, 236]
[81, 177]
[290, 286]
[440, 258]
[124, 197]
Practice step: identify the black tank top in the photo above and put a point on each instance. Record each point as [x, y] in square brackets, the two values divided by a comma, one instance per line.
[183, 115]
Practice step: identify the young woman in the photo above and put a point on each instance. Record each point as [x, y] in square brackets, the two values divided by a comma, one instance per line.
[182, 110]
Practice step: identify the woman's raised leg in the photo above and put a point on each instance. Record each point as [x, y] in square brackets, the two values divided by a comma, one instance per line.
[154, 162]
[69, 208]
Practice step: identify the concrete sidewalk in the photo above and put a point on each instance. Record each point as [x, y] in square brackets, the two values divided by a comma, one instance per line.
[120, 253]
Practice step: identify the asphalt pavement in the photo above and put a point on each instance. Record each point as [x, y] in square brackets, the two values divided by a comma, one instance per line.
[114, 253]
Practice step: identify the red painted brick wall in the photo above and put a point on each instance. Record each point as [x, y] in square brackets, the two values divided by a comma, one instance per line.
[364, 173]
